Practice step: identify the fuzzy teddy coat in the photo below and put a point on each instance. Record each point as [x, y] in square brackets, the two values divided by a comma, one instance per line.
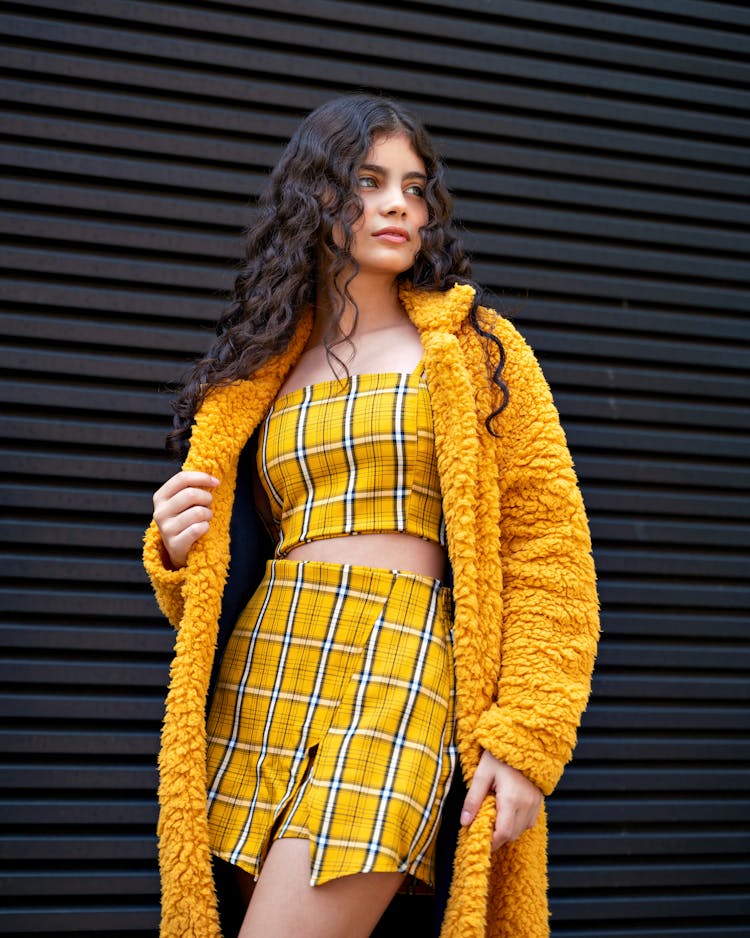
[526, 611]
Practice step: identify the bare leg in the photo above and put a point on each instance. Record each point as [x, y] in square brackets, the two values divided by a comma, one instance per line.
[285, 905]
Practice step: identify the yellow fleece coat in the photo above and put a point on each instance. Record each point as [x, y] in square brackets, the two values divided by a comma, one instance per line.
[526, 612]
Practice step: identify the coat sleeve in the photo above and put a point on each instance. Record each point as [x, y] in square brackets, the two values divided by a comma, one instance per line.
[550, 610]
[167, 583]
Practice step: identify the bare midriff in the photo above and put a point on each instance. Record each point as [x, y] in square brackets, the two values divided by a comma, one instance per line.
[390, 551]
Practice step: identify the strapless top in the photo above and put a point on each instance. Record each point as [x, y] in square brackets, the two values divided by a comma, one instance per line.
[352, 456]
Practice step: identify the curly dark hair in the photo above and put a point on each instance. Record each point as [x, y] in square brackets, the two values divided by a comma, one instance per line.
[312, 189]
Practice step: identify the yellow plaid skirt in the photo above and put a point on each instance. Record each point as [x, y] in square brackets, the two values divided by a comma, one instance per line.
[333, 721]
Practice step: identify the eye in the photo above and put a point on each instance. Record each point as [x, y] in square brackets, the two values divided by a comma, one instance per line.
[416, 189]
[367, 182]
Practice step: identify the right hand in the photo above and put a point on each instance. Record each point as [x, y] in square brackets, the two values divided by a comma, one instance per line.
[182, 512]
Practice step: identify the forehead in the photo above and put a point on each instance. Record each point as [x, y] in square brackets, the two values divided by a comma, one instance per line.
[394, 149]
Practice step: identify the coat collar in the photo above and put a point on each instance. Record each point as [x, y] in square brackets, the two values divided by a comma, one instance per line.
[433, 311]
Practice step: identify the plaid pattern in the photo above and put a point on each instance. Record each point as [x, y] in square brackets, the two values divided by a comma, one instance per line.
[333, 720]
[352, 457]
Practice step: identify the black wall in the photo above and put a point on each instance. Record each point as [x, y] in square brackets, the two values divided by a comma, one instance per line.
[599, 156]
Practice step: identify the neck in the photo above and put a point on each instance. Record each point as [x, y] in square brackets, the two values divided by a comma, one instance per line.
[377, 306]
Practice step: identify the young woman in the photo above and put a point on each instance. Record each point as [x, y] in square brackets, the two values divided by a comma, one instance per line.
[431, 586]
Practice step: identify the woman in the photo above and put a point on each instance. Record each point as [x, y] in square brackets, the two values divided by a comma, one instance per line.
[395, 436]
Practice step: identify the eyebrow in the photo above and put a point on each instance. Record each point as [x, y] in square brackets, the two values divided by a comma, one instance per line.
[374, 168]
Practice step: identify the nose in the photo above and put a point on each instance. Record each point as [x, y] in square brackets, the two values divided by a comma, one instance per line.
[394, 201]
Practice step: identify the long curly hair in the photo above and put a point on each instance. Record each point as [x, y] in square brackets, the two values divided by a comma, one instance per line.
[313, 189]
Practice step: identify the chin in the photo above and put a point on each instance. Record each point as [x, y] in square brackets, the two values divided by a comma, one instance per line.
[395, 267]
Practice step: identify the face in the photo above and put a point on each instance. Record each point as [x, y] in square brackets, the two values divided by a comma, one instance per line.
[392, 181]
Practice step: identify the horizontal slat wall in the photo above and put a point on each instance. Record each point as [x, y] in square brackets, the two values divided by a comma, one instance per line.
[599, 156]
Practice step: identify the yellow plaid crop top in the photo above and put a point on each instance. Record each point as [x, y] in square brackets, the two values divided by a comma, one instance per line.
[352, 457]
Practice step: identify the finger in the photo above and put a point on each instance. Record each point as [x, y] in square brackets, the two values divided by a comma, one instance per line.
[179, 547]
[179, 503]
[182, 480]
[175, 525]
[507, 826]
[480, 786]
[513, 819]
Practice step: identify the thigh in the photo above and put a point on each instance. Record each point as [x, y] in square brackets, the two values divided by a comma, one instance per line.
[284, 903]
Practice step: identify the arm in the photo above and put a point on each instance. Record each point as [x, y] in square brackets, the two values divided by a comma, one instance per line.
[550, 609]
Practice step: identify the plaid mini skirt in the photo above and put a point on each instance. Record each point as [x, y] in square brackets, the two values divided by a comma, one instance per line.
[333, 721]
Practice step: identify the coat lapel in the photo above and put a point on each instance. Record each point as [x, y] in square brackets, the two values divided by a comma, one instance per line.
[452, 366]
[439, 316]
[223, 425]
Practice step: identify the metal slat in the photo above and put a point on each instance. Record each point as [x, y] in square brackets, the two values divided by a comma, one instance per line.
[58, 705]
[592, 283]
[36, 812]
[82, 847]
[567, 875]
[672, 564]
[76, 777]
[646, 929]
[670, 904]
[84, 432]
[48, 742]
[687, 624]
[96, 673]
[123, 334]
[663, 441]
[84, 465]
[660, 684]
[675, 323]
[648, 843]
[77, 603]
[622, 375]
[68, 882]
[679, 778]
[628, 748]
[120, 366]
[34, 920]
[676, 594]
[691, 531]
[645, 810]
[61, 498]
[656, 471]
[660, 716]
[71, 398]
[121, 298]
[132, 640]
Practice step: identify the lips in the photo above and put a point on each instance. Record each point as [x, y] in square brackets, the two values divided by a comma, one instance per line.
[393, 235]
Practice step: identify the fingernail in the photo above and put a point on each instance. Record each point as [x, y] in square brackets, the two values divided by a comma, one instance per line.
[465, 817]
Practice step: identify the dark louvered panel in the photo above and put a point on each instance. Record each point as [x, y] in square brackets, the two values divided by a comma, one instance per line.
[599, 157]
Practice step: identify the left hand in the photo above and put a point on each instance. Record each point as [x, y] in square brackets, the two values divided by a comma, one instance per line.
[518, 799]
